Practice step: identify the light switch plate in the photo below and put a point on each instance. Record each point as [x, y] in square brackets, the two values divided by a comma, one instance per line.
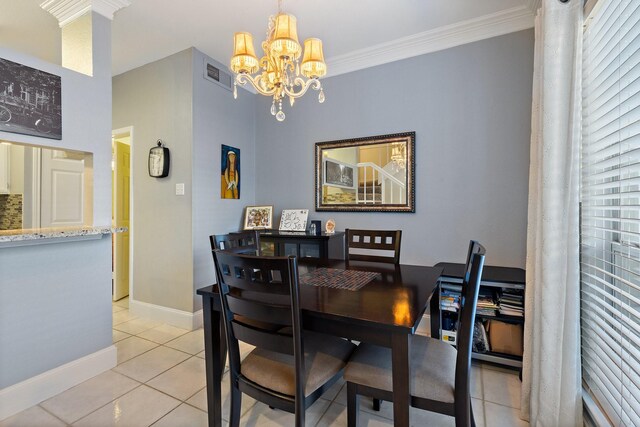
[179, 189]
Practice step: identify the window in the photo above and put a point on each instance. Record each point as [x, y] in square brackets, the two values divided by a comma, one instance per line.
[24, 93]
[610, 196]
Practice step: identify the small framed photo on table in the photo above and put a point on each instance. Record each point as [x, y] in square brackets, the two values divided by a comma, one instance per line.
[258, 217]
[294, 220]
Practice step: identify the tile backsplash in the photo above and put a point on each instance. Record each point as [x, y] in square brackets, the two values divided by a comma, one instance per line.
[10, 211]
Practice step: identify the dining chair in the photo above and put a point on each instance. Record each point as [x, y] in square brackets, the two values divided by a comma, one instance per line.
[289, 369]
[386, 243]
[440, 374]
[246, 242]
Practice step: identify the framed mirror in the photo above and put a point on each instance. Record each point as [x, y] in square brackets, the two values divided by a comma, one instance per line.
[371, 174]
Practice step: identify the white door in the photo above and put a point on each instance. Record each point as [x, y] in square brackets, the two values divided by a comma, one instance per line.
[62, 189]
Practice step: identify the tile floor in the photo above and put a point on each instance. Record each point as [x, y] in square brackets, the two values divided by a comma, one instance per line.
[160, 380]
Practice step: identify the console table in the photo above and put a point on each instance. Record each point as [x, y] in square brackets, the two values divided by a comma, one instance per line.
[302, 244]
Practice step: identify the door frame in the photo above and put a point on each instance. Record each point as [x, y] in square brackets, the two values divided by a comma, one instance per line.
[119, 133]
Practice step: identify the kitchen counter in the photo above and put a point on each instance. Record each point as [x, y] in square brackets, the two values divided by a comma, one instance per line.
[38, 236]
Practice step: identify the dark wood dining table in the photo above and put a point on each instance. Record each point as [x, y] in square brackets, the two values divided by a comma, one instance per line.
[385, 311]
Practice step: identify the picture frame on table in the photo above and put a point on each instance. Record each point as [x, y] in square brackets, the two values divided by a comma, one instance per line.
[294, 220]
[258, 217]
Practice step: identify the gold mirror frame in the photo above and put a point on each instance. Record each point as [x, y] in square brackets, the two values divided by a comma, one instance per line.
[339, 183]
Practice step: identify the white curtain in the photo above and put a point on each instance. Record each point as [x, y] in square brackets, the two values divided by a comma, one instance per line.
[551, 387]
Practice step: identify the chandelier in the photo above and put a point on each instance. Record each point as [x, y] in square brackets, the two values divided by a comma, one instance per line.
[278, 72]
[399, 154]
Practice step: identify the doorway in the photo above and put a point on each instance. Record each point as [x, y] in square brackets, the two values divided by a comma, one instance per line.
[121, 140]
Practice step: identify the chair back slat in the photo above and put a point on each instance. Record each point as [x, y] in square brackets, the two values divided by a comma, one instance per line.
[474, 248]
[470, 290]
[261, 311]
[243, 242]
[373, 241]
[269, 340]
[256, 275]
[250, 281]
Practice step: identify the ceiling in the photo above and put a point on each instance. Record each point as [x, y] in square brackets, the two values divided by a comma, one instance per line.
[149, 30]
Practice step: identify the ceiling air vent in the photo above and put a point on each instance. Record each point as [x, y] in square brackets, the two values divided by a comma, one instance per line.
[214, 74]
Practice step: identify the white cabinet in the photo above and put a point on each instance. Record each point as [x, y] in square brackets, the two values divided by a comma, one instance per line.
[5, 173]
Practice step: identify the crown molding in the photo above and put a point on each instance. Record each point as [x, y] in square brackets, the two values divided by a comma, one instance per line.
[483, 27]
[107, 8]
[534, 5]
[66, 11]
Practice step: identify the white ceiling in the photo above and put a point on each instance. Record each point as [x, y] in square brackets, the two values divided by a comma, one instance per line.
[148, 30]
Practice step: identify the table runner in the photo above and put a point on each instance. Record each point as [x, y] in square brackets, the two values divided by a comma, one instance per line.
[351, 280]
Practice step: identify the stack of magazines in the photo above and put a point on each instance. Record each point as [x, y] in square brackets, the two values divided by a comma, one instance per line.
[449, 300]
[486, 303]
[511, 303]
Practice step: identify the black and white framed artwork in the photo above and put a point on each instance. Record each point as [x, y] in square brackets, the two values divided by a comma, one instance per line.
[30, 101]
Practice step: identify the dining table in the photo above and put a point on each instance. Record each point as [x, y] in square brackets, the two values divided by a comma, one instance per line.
[384, 308]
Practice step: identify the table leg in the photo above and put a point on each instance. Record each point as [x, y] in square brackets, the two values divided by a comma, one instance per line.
[401, 348]
[213, 361]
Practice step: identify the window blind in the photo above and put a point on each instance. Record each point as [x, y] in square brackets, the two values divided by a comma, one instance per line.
[610, 213]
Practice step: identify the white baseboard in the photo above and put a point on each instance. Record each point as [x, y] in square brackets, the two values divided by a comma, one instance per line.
[178, 318]
[197, 319]
[34, 390]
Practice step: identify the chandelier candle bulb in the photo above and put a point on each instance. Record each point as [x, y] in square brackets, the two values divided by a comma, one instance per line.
[279, 72]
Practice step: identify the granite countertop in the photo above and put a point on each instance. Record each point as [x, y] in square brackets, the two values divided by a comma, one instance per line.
[57, 233]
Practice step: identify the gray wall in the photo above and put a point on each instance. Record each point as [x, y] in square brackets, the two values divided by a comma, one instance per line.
[55, 306]
[218, 119]
[170, 99]
[156, 99]
[471, 109]
[55, 299]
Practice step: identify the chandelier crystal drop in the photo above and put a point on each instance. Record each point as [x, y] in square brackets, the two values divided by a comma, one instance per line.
[279, 73]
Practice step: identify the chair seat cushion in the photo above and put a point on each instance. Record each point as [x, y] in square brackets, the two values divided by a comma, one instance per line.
[325, 356]
[433, 368]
